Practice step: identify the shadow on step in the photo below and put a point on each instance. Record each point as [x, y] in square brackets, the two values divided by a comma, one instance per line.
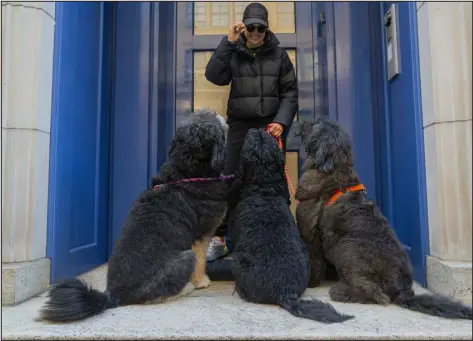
[221, 270]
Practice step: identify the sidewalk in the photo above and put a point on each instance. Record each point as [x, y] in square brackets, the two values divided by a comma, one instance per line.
[213, 313]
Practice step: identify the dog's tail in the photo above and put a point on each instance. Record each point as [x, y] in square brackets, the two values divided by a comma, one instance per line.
[74, 300]
[436, 305]
[312, 309]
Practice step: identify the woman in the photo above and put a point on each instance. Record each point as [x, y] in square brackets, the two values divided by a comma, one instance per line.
[263, 89]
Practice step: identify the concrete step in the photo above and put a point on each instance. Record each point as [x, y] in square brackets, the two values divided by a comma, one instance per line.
[214, 313]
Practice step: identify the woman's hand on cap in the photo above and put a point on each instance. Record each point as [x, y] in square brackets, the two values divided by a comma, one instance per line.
[235, 31]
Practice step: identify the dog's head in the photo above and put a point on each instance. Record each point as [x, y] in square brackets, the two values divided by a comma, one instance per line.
[261, 160]
[199, 146]
[327, 145]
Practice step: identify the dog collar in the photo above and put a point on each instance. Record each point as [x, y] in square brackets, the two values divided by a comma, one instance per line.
[339, 192]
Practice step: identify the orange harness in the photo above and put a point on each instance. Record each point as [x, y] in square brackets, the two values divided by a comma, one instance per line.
[289, 183]
[334, 197]
[339, 192]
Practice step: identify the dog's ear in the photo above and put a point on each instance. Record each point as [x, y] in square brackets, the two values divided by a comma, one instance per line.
[165, 173]
[237, 184]
[219, 154]
[324, 164]
[304, 130]
[186, 149]
[155, 181]
[333, 150]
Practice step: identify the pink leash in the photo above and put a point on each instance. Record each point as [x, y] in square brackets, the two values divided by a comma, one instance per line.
[223, 178]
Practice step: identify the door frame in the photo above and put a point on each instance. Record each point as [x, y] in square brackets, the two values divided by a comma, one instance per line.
[168, 68]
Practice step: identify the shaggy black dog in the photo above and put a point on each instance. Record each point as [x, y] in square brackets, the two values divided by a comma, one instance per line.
[271, 264]
[340, 224]
[160, 253]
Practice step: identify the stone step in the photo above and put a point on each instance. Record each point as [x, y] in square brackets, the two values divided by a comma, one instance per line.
[214, 313]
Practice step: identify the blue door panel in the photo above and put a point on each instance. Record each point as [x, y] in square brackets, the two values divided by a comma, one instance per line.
[352, 89]
[319, 37]
[384, 119]
[405, 130]
[79, 157]
[142, 86]
[131, 109]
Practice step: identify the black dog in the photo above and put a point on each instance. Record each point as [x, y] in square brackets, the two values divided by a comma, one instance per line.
[341, 225]
[271, 264]
[160, 254]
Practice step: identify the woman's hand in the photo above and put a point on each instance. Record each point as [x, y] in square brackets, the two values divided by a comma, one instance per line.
[276, 129]
[235, 31]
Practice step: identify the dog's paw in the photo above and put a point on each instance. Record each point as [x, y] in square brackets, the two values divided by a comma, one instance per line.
[382, 299]
[188, 289]
[203, 282]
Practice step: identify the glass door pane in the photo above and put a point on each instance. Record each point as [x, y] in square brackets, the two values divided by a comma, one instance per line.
[211, 18]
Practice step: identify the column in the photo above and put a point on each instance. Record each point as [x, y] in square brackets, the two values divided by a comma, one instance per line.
[445, 42]
[27, 64]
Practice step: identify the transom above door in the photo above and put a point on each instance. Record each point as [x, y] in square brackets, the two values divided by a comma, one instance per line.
[200, 27]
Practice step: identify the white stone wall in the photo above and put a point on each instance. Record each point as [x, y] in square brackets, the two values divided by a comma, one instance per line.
[27, 65]
[445, 43]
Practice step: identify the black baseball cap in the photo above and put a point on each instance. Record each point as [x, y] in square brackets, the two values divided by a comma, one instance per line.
[255, 14]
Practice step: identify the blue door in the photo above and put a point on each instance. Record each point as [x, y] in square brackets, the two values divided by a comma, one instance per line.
[200, 28]
[143, 89]
[351, 94]
[383, 117]
[403, 131]
[116, 100]
[80, 134]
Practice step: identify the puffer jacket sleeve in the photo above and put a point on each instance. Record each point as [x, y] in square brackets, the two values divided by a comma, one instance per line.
[218, 69]
[288, 93]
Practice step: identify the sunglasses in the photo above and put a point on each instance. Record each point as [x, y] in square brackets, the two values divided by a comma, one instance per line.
[261, 29]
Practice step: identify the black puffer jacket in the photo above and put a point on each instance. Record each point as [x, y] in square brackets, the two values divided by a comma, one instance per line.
[262, 86]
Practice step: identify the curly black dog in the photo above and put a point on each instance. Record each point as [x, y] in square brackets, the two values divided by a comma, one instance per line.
[271, 264]
[339, 224]
[161, 251]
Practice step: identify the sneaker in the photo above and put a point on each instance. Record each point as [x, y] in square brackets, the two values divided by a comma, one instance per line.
[217, 249]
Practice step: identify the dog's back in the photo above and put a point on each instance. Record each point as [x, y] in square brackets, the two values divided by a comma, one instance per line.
[271, 262]
[270, 258]
[161, 225]
[160, 254]
[358, 240]
[372, 264]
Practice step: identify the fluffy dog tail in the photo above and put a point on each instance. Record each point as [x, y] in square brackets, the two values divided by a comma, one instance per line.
[74, 300]
[436, 305]
[313, 310]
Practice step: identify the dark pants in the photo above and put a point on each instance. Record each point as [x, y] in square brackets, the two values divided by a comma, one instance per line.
[237, 130]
